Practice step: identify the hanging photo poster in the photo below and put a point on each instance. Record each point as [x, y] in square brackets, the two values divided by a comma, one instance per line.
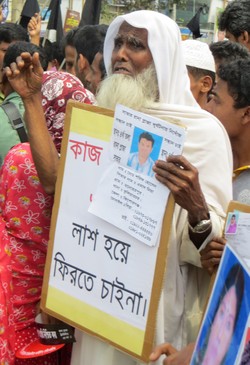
[224, 337]
[100, 276]
[224, 327]
[237, 229]
[72, 20]
[128, 195]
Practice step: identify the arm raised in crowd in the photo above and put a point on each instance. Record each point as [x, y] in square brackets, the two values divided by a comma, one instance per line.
[34, 29]
[25, 76]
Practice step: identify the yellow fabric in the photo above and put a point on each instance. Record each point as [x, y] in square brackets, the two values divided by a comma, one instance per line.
[238, 171]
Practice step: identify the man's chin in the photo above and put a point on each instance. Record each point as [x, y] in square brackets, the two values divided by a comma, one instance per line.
[122, 88]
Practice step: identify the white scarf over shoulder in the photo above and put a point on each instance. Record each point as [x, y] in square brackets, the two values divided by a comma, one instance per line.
[208, 148]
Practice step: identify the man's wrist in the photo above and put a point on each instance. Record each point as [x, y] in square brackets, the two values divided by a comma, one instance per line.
[200, 231]
[194, 219]
[32, 99]
[201, 227]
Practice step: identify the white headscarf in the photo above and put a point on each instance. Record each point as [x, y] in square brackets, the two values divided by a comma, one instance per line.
[204, 131]
[166, 51]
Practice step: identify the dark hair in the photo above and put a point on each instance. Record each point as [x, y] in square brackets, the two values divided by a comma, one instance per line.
[226, 51]
[147, 136]
[236, 17]
[89, 39]
[235, 277]
[237, 76]
[200, 72]
[54, 51]
[15, 49]
[10, 32]
[68, 39]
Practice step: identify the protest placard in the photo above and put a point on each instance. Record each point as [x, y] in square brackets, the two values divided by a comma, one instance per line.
[100, 276]
[225, 332]
[72, 20]
[225, 322]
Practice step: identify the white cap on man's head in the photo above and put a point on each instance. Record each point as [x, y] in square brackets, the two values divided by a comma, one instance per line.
[197, 54]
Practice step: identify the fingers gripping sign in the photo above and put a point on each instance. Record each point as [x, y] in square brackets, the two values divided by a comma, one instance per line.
[173, 356]
[212, 253]
[182, 179]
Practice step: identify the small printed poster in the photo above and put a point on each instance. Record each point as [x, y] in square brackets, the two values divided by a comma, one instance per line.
[224, 334]
[72, 20]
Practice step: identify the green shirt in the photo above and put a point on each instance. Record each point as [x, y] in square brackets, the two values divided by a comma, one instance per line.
[9, 136]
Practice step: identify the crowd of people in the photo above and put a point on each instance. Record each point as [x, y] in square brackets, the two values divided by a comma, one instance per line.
[139, 61]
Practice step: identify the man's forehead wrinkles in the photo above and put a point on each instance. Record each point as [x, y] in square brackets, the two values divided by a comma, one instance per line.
[127, 37]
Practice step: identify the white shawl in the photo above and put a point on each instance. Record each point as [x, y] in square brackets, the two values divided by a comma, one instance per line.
[207, 147]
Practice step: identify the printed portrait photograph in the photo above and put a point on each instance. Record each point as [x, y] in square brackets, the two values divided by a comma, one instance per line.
[144, 151]
[232, 223]
[225, 320]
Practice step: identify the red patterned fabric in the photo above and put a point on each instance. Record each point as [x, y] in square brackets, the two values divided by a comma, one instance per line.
[58, 87]
[7, 331]
[25, 212]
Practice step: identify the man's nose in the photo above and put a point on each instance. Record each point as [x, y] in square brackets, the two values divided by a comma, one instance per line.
[122, 54]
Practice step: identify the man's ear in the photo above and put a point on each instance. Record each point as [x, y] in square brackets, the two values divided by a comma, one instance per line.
[83, 64]
[244, 38]
[206, 84]
[246, 116]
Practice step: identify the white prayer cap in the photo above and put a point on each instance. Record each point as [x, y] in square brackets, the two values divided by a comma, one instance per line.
[197, 54]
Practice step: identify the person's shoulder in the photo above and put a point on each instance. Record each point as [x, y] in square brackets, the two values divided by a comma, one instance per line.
[243, 178]
[133, 154]
[17, 102]
[131, 157]
[241, 187]
[3, 117]
[20, 151]
[14, 97]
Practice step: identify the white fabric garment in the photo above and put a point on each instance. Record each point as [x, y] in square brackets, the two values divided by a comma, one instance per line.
[165, 44]
[197, 54]
[207, 147]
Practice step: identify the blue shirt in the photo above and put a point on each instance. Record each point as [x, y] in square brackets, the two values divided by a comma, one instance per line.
[145, 168]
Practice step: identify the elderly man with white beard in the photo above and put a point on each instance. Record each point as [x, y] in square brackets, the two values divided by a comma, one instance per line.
[146, 71]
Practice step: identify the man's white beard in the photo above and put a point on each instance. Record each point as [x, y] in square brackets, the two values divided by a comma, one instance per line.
[138, 92]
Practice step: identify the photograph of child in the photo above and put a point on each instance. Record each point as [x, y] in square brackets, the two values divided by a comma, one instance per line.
[232, 220]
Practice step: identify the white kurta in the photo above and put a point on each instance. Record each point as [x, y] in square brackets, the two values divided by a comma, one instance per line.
[207, 147]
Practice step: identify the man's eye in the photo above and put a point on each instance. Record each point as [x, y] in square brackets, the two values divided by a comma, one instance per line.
[136, 44]
[118, 43]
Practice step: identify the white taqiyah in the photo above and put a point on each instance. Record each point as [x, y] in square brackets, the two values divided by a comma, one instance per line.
[197, 54]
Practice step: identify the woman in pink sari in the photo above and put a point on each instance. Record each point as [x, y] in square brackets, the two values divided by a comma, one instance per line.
[25, 211]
